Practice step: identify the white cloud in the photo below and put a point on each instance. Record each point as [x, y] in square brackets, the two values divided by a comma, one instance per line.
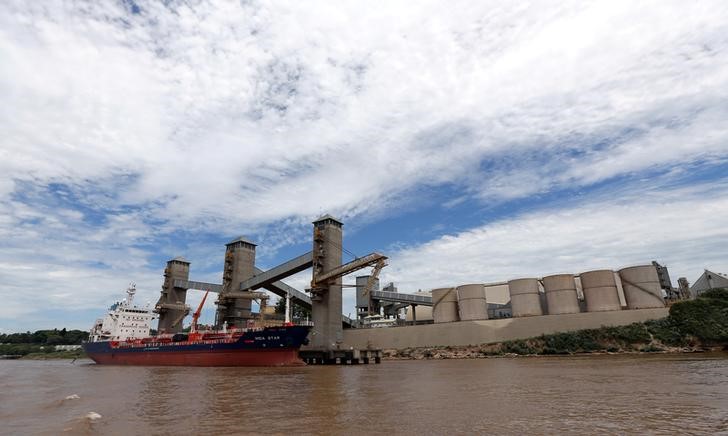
[260, 112]
[683, 228]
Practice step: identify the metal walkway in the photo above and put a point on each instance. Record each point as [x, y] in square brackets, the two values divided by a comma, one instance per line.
[354, 265]
[200, 286]
[279, 288]
[397, 297]
[281, 271]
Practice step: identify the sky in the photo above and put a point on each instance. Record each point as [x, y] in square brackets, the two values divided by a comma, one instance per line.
[469, 142]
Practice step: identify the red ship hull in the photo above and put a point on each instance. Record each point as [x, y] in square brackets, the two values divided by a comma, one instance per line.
[202, 358]
[270, 346]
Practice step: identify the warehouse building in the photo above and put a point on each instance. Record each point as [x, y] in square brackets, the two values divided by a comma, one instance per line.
[709, 280]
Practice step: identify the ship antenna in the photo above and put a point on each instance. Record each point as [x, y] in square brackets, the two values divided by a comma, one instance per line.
[130, 292]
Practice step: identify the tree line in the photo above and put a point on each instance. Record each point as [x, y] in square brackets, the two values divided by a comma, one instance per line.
[46, 337]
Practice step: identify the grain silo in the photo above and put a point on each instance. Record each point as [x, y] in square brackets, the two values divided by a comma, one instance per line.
[561, 294]
[445, 305]
[525, 298]
[641, 286]
[600, 290]
[471, 302]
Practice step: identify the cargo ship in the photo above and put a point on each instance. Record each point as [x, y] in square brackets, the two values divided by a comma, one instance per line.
[123, 337]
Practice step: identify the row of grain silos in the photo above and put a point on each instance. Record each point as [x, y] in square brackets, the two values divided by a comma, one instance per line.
[600, 289]
[463, 303]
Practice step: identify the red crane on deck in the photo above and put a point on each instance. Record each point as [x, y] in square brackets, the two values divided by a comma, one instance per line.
[196, 315]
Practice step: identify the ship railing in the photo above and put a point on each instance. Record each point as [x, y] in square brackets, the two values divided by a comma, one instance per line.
[304, 323]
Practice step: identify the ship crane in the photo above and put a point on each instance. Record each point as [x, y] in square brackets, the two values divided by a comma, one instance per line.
[196, 315]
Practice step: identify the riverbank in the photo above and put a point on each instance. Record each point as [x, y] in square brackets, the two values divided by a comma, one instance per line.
[74, 354]
[35, 352]
[528, 348]
[692, 326]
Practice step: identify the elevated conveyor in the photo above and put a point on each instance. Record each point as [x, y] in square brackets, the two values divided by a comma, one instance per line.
[397, 297]
[356, 264]
[200, 286]
[279, 288]
[279, 272]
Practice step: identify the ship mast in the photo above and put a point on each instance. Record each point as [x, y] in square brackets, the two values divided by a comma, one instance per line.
[130, 293]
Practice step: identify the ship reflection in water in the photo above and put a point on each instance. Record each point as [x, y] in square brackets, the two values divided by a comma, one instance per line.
[576, 395]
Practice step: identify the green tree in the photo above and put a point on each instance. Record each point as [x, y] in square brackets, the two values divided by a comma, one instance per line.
[297, 311]
[54, 339]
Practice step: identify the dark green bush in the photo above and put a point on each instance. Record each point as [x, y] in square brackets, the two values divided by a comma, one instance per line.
[570, 342]
[20, 349]
[517, 346]
[666, 331]
[627, 334]
[706, 317]
[716, 294]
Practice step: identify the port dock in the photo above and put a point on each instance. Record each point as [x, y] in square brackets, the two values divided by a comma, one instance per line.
[242, 280]
[340, 357]
[471, 313]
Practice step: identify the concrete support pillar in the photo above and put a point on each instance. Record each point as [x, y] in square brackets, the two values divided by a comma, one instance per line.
[171, 305]
[327, 331]
[239, 266]
[414, 314]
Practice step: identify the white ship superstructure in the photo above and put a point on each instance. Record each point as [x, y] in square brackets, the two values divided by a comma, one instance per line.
[124, 321]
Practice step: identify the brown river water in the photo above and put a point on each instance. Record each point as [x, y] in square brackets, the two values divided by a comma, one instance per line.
[617, 394]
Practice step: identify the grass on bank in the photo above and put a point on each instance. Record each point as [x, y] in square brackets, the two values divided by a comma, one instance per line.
[73, 354]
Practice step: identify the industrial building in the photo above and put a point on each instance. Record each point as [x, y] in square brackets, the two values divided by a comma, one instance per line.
[481, 312]
[242, 282]
[709, 280]
[636, 287]
[519, 308]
